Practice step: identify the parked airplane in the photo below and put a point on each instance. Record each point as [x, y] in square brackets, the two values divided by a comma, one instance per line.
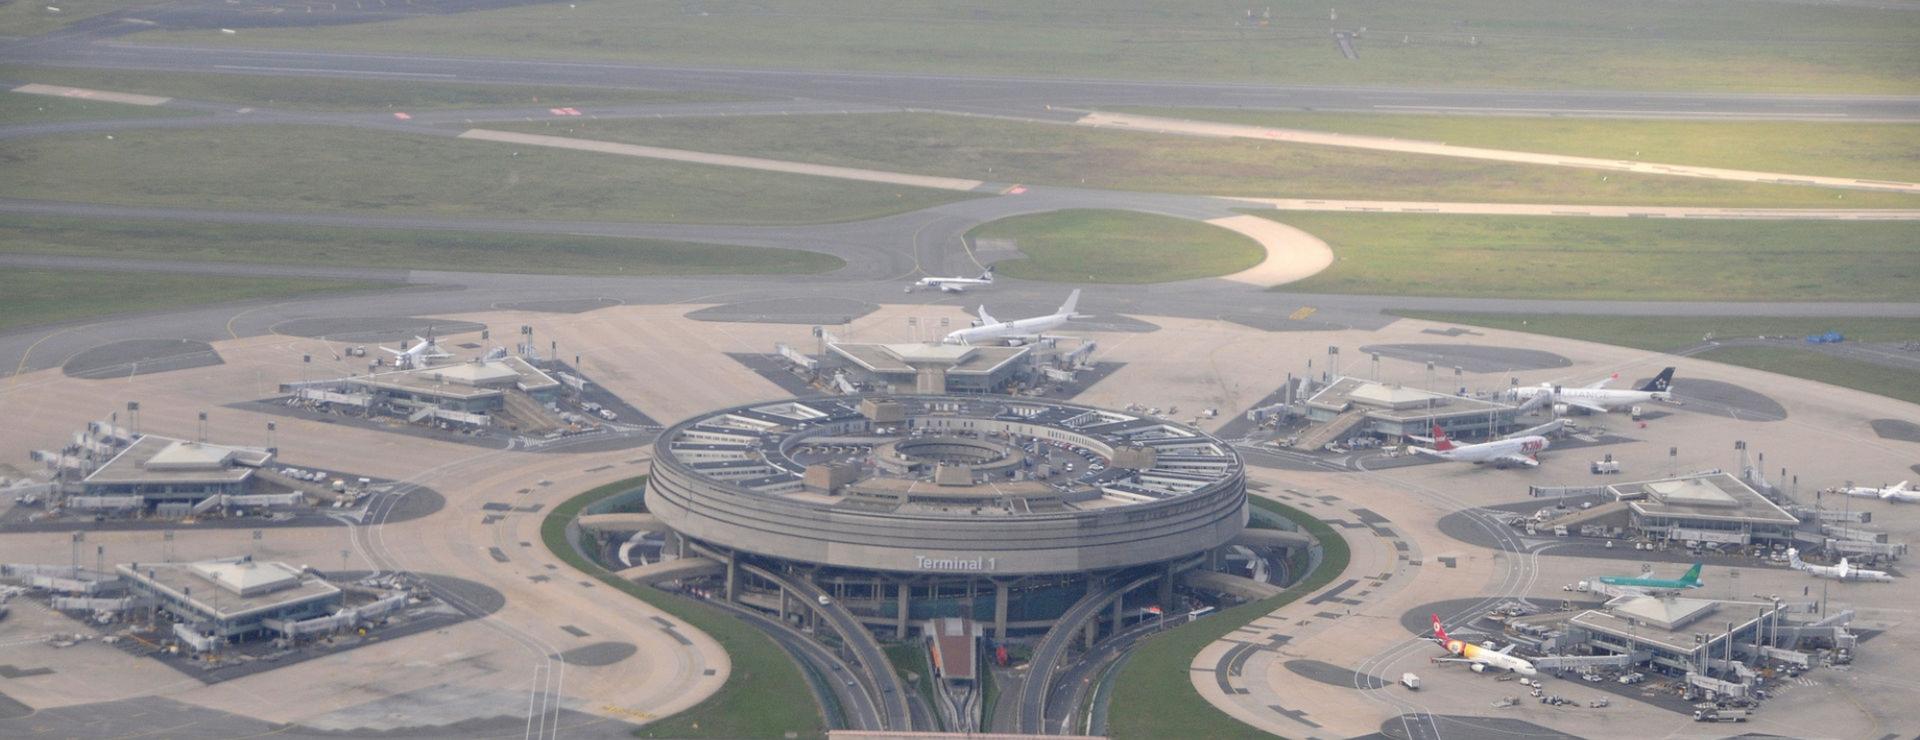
[1516, 449]
[1841, 572]
[1479, 658]
[990, 329]
[1901, 492]
[419, 355]
[1689, 580]
[1599, 399]
[954, 284]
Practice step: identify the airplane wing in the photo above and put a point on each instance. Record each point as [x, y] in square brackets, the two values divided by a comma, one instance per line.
[1542, 430]
[392, 351]
[1506, 650]
[952, 288]
[1602, 383]
[1593, 407]
[1518, 460]
[985, 318]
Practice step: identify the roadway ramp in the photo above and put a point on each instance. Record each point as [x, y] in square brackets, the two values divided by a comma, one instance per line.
[673, 570]
[1227, 583]
[1272, 538]
[615, 523]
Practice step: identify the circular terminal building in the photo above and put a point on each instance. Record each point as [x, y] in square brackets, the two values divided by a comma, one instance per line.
[906, 508]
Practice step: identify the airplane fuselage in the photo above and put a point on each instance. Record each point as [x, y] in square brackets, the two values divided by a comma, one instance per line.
[1602, 397]
[1490, 658]
[1489, 451]
[1007, 330]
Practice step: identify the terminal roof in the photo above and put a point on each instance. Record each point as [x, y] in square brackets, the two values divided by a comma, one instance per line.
[155, 459]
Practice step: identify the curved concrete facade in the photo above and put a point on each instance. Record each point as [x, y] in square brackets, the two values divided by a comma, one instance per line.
[1109, 525]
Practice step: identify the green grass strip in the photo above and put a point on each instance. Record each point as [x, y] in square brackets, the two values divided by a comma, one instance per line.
[765, 694]
[1101, 246]
[1672, 333]
[1154, 697]
[30, 297]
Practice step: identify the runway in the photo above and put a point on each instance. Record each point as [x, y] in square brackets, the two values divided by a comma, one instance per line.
[1025, 96]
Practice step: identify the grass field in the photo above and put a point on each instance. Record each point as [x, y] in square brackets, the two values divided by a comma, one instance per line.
[998, 150]
[1154, 698]
[411, 250]
[1887, 151]
[20, 108]
[332, 94]
[1667, 334]
[1096, 246]
[1567, 44]
[911, 659]
[21, 18]
[322, 168]
[1802, 363]
[29, 297]
[765, 695]
[1671, 333]
[1611, 259]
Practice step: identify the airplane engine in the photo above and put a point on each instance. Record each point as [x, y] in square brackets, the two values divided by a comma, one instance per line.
[1561, 409]
[1478, 667]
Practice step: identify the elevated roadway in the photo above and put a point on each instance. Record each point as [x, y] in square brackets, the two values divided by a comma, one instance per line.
[672, 570]
[889, 694]
[623, 522]
[857, 707]
[1030, 714]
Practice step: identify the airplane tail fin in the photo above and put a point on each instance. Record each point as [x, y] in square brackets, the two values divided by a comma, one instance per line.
[1440, 441]
[1073, 300]
[1661, 382]
[1793, 559]
[1439, 632]
[1692, 576]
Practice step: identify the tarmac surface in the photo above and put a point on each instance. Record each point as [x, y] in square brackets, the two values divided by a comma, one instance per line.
[1333, 675]
[641, 339]
[371, 328]
[819, 311]
[598, 654]
[1896, 429]
[1471, 358]
[1718, 398]
[132, 357]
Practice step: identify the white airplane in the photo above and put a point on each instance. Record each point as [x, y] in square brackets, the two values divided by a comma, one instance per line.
[1596, 397]
[1841, 572]
[419, 355]
[954, 284]
[1479, 658]
[1518, 448]
[1901, 492]
[990, 329]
